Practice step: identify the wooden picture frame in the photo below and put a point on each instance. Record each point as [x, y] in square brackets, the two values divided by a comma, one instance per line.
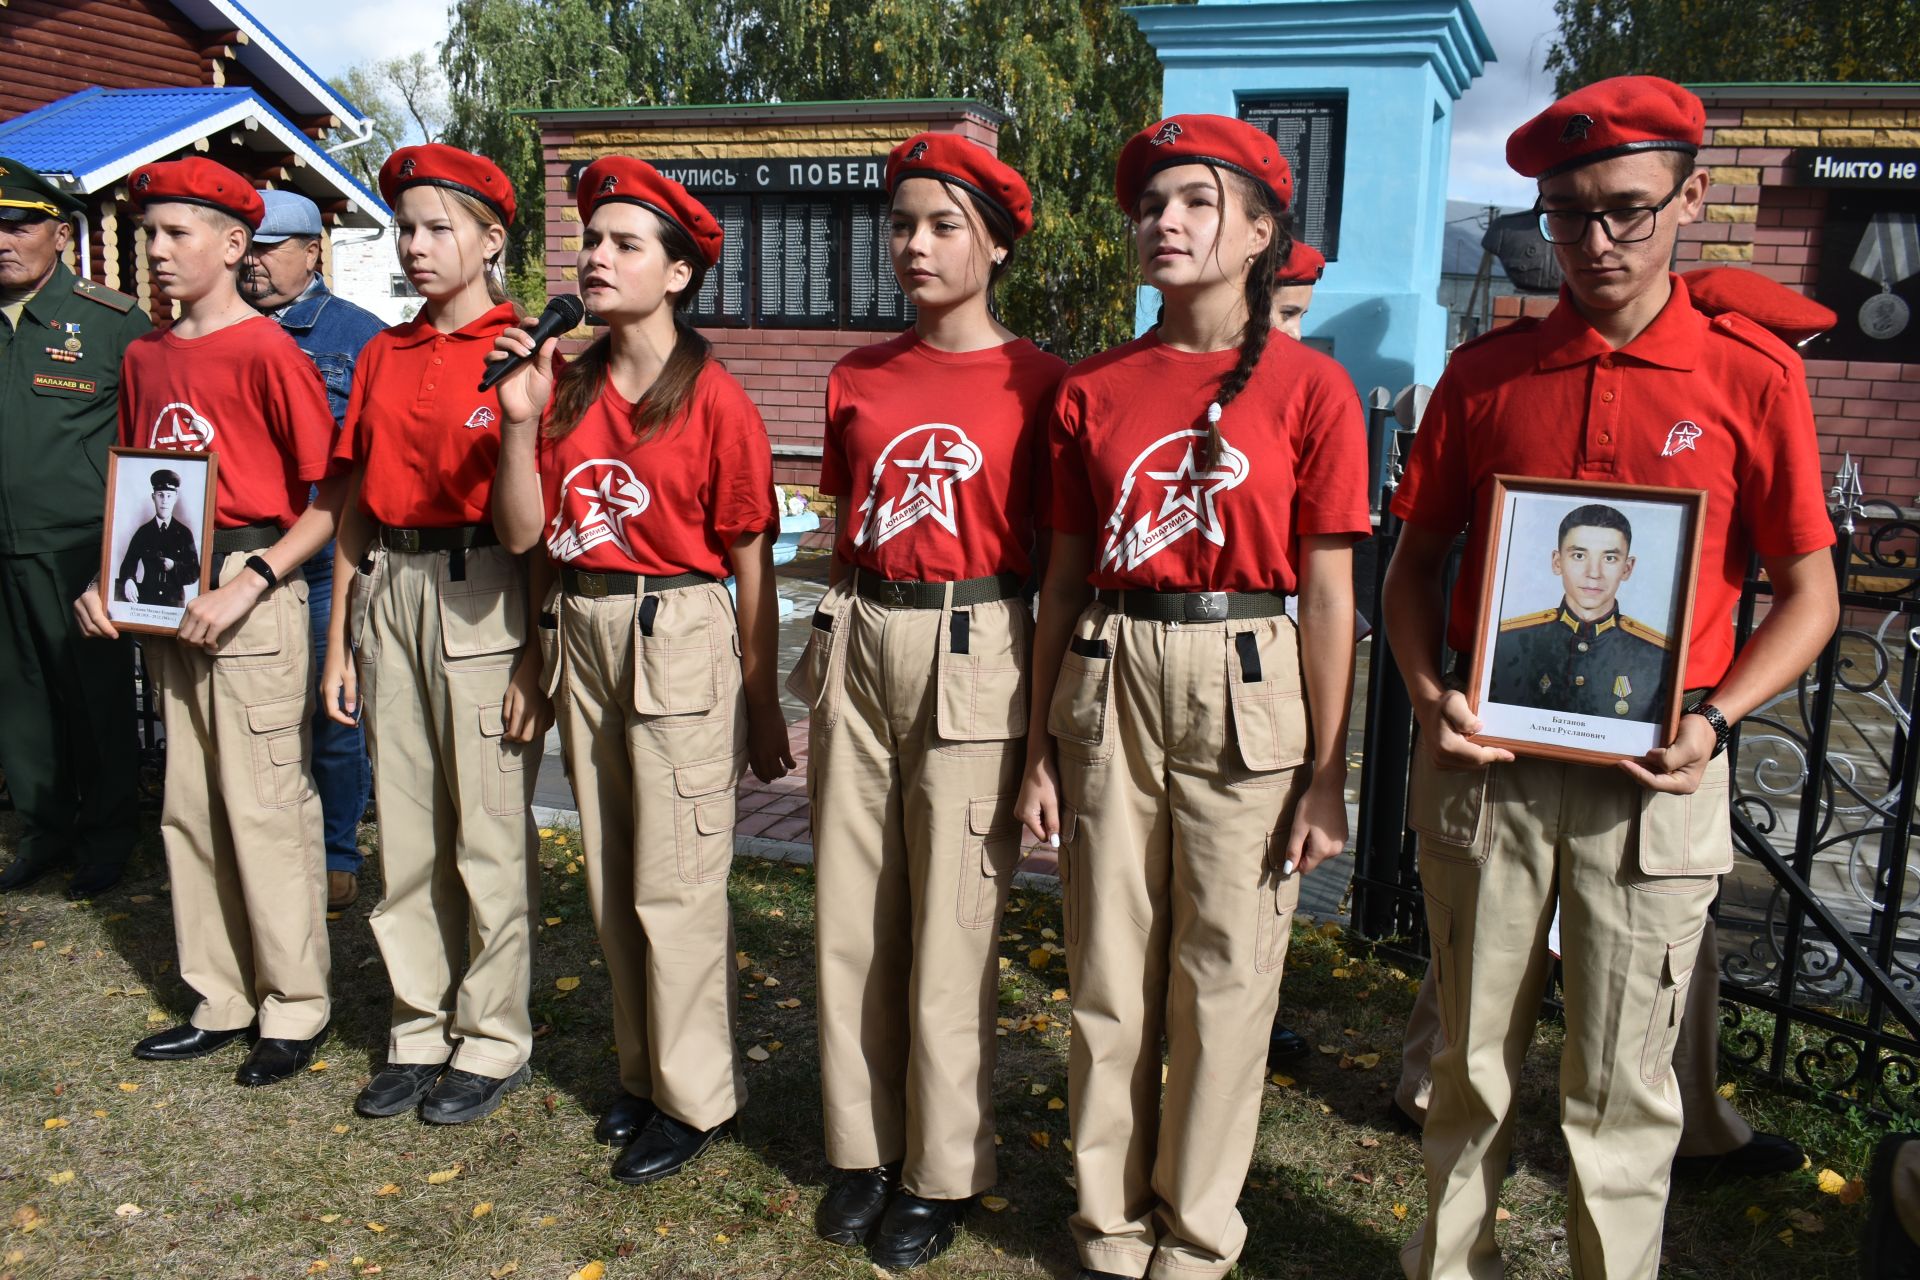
[134, 545]
[1584, 677]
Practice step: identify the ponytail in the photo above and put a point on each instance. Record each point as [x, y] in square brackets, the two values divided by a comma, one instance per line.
[1258, 202]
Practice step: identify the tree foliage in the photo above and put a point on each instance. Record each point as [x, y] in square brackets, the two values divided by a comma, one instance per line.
[1076, 80]
[404, 98]
[1720, 41]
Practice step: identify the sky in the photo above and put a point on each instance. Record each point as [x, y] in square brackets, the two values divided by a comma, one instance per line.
[333, 36]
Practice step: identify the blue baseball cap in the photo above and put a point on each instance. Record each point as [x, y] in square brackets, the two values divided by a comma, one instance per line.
[288, 214]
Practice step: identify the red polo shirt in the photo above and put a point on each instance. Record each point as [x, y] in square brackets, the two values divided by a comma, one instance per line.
[1692, 403]
[247, 394]
[674, 503]
[429, 442]
[1128, 453]
[938, 457]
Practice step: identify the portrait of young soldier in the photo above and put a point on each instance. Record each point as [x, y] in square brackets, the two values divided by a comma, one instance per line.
[162, 560]
[1583, 656]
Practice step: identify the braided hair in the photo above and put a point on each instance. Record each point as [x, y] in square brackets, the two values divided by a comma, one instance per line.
[1258, 202]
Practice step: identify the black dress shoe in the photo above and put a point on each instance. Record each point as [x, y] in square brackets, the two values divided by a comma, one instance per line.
[852, 1207]
[625, 1118]
[662, 1148]
[176, 1044]
[397, 1087]
[460, 1096]
[275, 1059]
[26, 869]
[1887, 1252]
[1284, 1045]
[93, 879]
[1765, 1155]
[913, 1232]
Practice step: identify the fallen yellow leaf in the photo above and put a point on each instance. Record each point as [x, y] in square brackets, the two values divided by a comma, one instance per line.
[546, 833]
[1059, 993]
[318, 1265]
[1832, 1183]
[39, 944]
[592, 1271]
[1785, 1236]
[378, 1228]
[1725, 1090]
[1054, 1104]
[663, 1231]
[771, 981]
[1366, 1061]
[551, 921]
[786, 1004]
[502, 1271]
[758, 1054]
[548, 1221]
[155, 1017]
[775, 1046]
[1283, 1080]
[740, 960]
[1005, 963]
[993, 1204]
[15, 1257]
[1501, 1215]
[1037, 1089]
[99, 1115]
[28, 1218]
[128, 1086]
[61, 1178]
[1040, 1140]
[340, 1128]
[1341, 973]
[1038, 957]
[1400, 1212]
[560, 840]
[55, 1122]
[390, 1189]
[329, 1217]
[440, 1176]
[721, 1237]
[318, 1066]
[566, 984]
[482, 1209]
[128, 1210]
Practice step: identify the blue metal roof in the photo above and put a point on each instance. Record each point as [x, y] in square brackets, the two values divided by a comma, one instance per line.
[105, 132]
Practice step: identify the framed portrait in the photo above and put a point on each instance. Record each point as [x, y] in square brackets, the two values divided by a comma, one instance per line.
[157, 548]
[1585, 608]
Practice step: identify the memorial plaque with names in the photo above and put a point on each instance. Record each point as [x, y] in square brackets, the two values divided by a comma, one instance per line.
[873, 292]
[1311, 131]
[799, 276]
[722, 299]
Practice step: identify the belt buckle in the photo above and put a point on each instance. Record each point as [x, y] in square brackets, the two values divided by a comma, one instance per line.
[404, 539]
[1206, 606]
[591, 585]
[897, 595]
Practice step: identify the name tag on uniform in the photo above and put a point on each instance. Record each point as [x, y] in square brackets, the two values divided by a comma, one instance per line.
[60, 382]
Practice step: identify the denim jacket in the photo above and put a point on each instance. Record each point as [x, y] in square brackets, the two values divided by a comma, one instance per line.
[331, 330]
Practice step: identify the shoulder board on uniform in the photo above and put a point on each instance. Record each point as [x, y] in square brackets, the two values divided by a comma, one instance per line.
[1525, 324]
[106, 297]
[1528, 619]
[1735, 325]
[1640, 630]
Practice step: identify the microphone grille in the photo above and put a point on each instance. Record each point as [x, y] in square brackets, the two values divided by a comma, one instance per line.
[568, 307]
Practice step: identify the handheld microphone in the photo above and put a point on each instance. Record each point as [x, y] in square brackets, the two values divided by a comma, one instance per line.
[563, 315]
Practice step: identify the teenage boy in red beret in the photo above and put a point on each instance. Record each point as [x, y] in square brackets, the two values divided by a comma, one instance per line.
[241, 823]
[1626, 381]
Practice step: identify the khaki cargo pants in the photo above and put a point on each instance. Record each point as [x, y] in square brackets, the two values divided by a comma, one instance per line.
[241, 820]
[1633, 872]
[437, 634]
[917, 738]
[1181, 752]
[654, 724]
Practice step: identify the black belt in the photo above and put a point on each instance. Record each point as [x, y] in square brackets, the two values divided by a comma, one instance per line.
[933, 595]
[1195, 606]
[580, 582]
[248, 537]
[459, 537]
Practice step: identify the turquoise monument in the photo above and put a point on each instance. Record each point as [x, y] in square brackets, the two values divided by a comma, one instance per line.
[1360, 95]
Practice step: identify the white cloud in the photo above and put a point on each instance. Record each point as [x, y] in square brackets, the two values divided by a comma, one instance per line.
[332, 36]
[1514, 88]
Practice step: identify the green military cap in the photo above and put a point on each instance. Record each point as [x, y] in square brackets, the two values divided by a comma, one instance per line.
[27, 197]
[164, 479]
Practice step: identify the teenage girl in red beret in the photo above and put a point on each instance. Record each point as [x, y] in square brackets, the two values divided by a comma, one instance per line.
[438, 613]
[917, 675]
[1187, 750]
[647, 472]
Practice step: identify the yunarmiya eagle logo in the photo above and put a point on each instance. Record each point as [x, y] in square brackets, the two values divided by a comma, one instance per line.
[597, 499]
[1168, 493]
[915, 479]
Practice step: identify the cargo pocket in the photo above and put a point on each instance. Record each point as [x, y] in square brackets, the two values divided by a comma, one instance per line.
[366, 578]
[816, 678]
[1070, 877]
[678, 648]
[982, 673]
[1274, 904]
[989, 851]
[503, 784]
[1447, 809]
[1269, 715]
[1683, 838]
[483, 613]
[278, 728]
[703, 817]
[1669, 1005]
[262, 635]
[1080, 717]
[550, 647]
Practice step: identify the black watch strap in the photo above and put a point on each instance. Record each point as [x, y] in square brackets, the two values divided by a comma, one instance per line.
[1722, 731]
[260, 566]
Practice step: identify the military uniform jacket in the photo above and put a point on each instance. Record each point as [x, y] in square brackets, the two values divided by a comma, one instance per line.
[1554, 661]
[59, 384]
[161, 562]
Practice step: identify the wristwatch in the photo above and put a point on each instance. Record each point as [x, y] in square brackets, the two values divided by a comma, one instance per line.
[1722, 731]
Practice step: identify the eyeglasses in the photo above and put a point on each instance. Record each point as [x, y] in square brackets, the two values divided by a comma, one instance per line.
[1623, 226]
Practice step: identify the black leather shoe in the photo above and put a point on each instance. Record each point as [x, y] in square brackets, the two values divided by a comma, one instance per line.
[625, 1118]
[397, 1087]
[274, 1059]
[23, 871]
[460, 1096]
[1887, 1252]
[1765, 1155]
[663, 1147]
[852, 1207]
[176, 1044]
[92, 879]
[1285, 1044]
[913, 1232]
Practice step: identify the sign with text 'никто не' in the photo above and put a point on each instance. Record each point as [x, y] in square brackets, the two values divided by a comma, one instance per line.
[1881, 167]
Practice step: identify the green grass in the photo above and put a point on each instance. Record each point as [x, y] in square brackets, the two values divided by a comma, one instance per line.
[225, 1182]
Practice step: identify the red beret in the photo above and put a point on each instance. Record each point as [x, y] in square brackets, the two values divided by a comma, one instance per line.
[1305, 265]
[624, 180]
[197, 180]
[1792, 317]
[965, 163]
[1220, 141]
[1606, 119]
[435, 164]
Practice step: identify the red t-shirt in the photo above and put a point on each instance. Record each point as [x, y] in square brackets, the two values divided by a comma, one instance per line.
[675, 503]
[429, 441]
[1128, 452]
[245, 393]
[1691, 403]
[938, 457]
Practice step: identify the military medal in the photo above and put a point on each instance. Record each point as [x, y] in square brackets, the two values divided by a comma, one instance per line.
[1546, 683]
[1620, 691]
[1889, 252]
